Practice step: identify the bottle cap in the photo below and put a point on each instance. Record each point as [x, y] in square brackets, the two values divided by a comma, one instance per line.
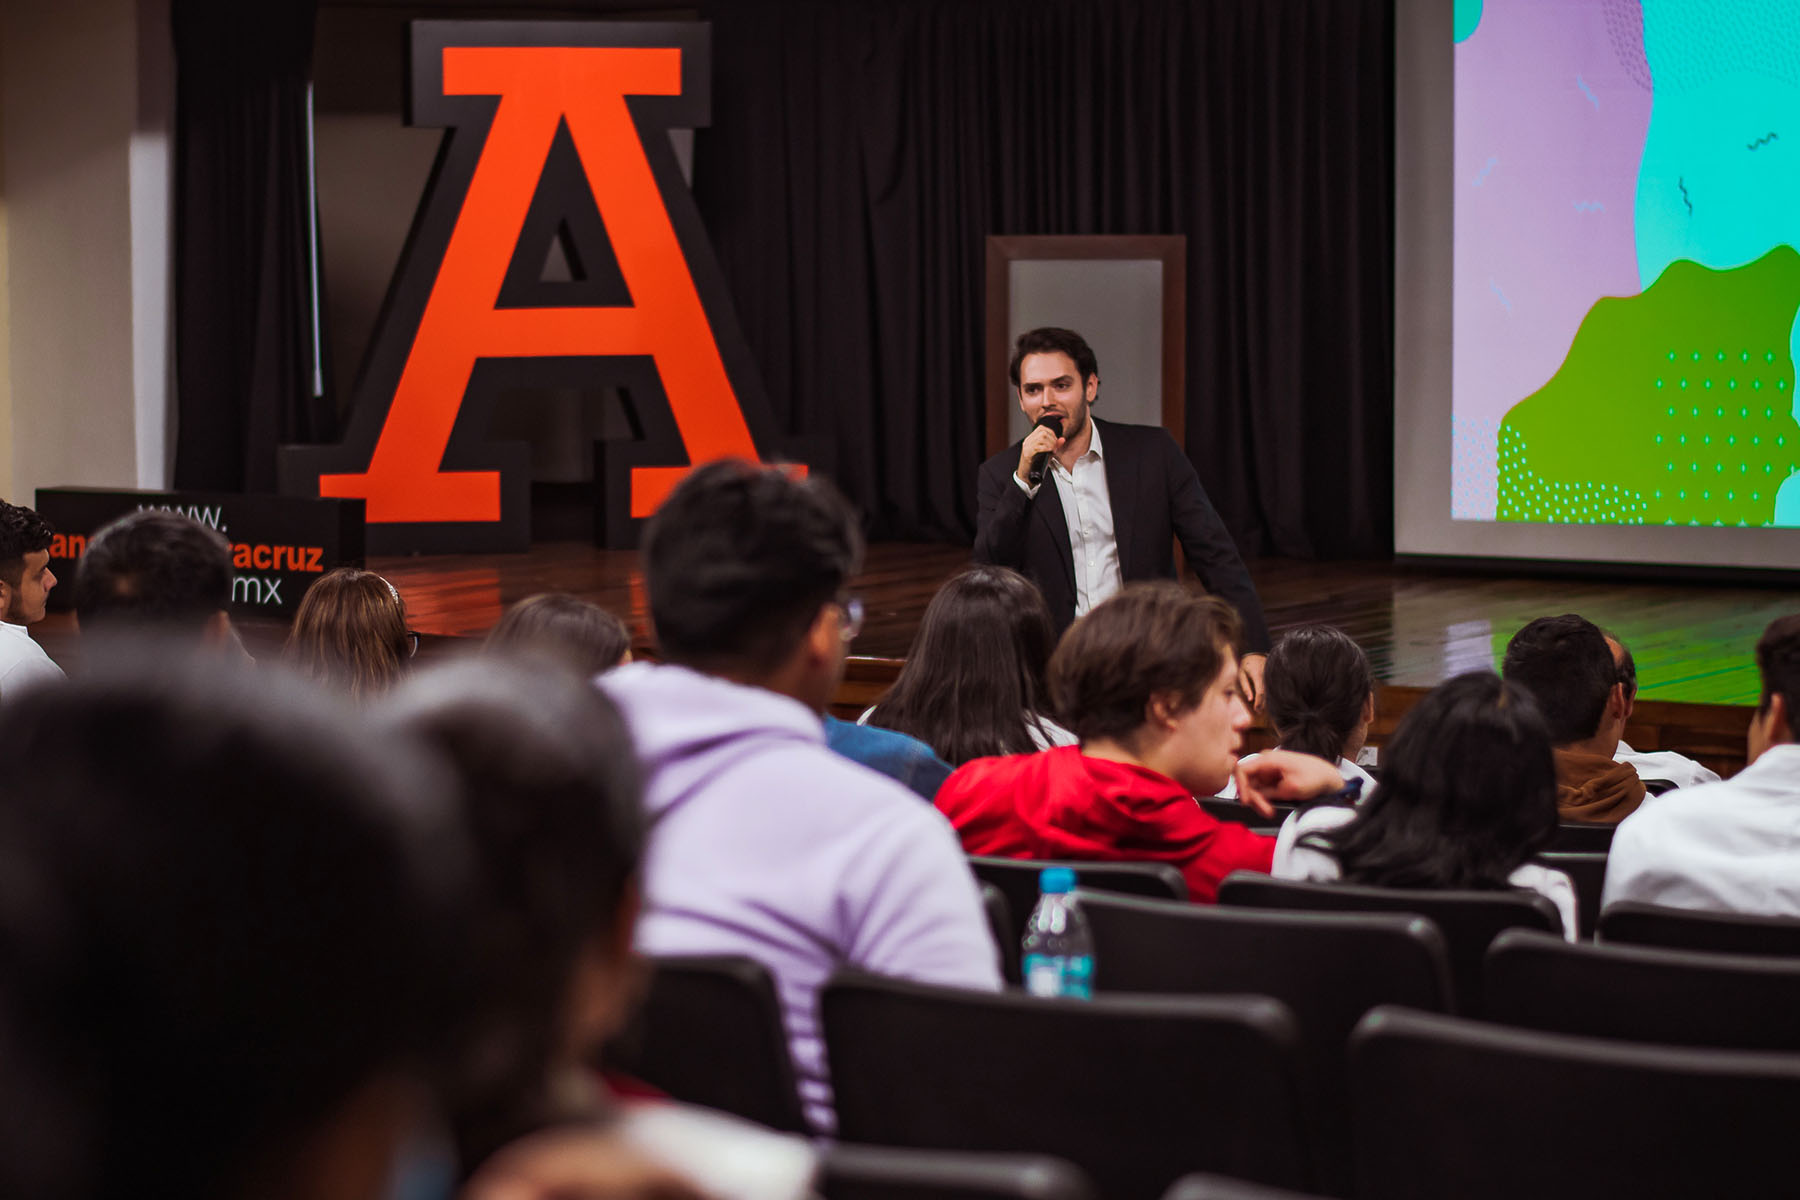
[1056, 881]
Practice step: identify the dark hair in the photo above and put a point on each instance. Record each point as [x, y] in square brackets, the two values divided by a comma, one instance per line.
[551, 795]
[350, 633]
[1151, 638]
[1315, 683]
[22, 532]
[1624, 664]
[740, 559]
[1778, 661]
[243, 912]
[153, 569]
[1467, 793]
[1566, 665]
[973, 682]
[1051, 340]
[585, 636]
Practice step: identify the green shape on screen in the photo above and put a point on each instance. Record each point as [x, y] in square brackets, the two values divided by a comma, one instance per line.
[1673, 407]
[1468, 16]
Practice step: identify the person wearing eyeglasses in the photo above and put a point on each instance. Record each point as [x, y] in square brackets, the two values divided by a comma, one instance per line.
[350, 634]
[764, 842]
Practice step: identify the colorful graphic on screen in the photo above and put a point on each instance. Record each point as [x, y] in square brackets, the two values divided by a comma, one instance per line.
[1627, 262]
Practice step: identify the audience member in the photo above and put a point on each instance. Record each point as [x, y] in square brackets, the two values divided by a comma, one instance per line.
[1319, 695]
[25, 583]
[227, 932]
[1566, 665]
[973, 682]
[350, 634]
[567, 628]
[1732, 846]
[1149, 682]
[1467, 797]
[768, 844]
[157, 573]
[552, 798]
[903, 759]
[1664, 766]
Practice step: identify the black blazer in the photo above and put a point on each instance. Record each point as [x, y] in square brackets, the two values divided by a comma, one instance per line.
[1156, 498]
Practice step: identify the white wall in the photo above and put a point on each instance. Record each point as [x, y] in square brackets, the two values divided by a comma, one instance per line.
[86, 244]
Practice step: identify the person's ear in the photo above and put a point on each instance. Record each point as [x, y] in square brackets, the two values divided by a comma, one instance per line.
[1368, 712]
[1162, 709]
[1780, 722]
[823, 639]
[1093, 388]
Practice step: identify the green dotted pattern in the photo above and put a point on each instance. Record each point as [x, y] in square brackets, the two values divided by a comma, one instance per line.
[1673, 407]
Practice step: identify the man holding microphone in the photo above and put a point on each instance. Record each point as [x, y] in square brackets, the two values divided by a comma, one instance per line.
[1082, 507]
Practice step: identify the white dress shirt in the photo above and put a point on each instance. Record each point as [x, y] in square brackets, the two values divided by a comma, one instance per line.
[23, 662]
[1294, 861]
[1732, 846]
[1678, 769]
[1087, 511]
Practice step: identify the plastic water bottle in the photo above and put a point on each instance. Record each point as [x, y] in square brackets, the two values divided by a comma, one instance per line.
[1059, 949]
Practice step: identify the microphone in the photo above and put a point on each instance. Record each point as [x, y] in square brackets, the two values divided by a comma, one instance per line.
[1040, 463]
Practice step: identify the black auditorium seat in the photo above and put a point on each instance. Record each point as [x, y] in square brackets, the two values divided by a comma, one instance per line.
[1219, 1187]
[1451, 1107]
[1469, 921]
[1328, 968]
[1017, 879]
[1001, 925]
[1578, 835]
[1221, 808]
[1586, 869]
[887, 1173]
[1136, 1091]
[1644, 993]
[1688, 929]
[710, 1032]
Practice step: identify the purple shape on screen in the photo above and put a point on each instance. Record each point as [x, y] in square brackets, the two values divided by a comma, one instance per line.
[1554, 92]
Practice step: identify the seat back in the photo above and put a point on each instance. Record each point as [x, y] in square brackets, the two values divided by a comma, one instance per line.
[1000, 924]
[710, 1032]
[1017, 879]
[1451, 1107]
[1136, 1091]
[1328, 968]
[1581, 836]
[1586, 869]
[1220, 808]
[1469, 921]
[1644, 994]
[1218, 1187]
[887, 1173]
[1687, 929]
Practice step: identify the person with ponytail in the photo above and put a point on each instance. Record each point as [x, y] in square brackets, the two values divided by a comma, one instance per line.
[1320, 697]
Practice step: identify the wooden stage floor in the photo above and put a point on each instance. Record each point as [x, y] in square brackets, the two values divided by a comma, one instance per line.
[1693, 642]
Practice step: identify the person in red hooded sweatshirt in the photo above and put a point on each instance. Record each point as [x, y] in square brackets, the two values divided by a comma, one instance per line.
[1148, 682]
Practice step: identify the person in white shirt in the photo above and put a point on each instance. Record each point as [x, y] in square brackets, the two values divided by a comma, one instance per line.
[1652, 766]
[1467, 797]
[1731, 846]
[1320, 697]
[973, 682]
[25, 583]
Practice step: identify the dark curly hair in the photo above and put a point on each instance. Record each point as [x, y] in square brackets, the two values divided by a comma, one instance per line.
[1051, 340]
[22, 532]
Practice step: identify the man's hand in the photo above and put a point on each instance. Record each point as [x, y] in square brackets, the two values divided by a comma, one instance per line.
[1039, 441]
[1284, 776]
[575, 1163]
[1250, 680]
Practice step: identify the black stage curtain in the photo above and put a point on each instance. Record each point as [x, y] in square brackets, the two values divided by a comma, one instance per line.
[243, 316]
[862, 150]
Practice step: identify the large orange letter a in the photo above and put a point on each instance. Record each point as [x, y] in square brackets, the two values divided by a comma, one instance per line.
[509, 92]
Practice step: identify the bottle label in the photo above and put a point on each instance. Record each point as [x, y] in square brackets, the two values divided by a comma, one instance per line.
[1060, 975]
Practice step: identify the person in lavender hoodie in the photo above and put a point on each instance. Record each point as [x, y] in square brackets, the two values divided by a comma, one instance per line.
[763, 842]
